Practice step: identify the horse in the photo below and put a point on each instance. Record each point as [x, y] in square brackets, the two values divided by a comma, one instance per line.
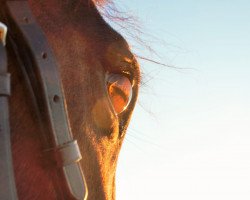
[99, 77]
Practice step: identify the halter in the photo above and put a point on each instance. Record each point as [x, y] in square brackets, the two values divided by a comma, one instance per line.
[40, 71]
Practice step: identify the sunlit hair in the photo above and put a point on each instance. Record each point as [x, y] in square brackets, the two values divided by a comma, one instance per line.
[101, 2]
[132, 29]
[134, 32]
[125, 23]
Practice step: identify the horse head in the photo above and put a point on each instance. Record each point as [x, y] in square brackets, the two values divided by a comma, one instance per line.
[100, 80]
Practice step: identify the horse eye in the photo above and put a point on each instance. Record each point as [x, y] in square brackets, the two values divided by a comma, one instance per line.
[120, 91]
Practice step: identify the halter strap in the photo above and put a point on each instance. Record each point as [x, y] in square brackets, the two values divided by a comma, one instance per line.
[7, 180]
[40, 68]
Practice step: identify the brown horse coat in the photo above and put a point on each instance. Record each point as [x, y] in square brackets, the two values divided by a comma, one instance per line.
[86, 48]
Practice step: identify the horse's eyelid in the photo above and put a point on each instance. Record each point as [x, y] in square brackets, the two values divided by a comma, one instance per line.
[131, 76]
[128, 74]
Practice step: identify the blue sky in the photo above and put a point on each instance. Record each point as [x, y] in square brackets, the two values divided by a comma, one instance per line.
[190, 135]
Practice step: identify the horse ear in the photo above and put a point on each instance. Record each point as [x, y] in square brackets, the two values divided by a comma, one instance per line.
[3, 33]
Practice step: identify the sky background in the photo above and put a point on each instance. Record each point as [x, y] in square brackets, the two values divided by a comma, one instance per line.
[190, 134]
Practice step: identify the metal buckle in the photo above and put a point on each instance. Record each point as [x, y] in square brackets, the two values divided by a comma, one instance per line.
[3, 33]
